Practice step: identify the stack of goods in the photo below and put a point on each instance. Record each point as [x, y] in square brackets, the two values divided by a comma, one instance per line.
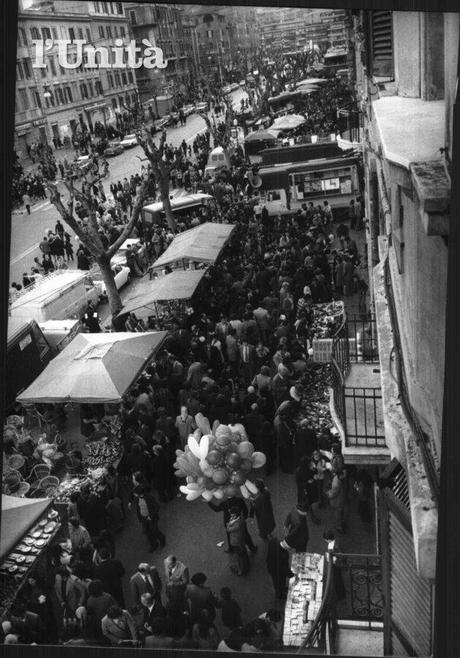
[315, 398]
[102, 453]
[304, 597]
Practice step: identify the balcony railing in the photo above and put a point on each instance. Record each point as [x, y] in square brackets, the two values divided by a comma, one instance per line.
[322, 633]
[362, 596]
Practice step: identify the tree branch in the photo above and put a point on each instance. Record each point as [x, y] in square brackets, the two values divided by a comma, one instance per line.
[138, 204]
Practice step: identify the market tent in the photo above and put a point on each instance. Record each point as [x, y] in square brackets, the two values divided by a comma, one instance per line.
[311, 81]
[288, 122]
[18, 515]
[202, 244]
[179, 284]
[260, 136]
[94, 368]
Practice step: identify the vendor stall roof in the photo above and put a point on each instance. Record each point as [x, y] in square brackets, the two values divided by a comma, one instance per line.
[16, 326]
[288, 122]
[18, 515]
[202, 244]
[259, 136]
[179, 284]
[94, 368]
[48, 287]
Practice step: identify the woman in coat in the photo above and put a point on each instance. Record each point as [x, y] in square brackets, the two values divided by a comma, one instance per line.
[297, 534]
[236, 533]
[262, 509]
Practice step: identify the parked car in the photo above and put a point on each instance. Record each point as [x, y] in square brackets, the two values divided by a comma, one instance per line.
[201, 107]
[128, 141]
[159, 124]
[121, 275]
[234, 86]
[113, 148]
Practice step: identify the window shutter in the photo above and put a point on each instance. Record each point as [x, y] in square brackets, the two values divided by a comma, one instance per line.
[382, 43]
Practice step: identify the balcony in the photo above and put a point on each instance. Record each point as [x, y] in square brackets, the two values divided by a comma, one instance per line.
[356, 400]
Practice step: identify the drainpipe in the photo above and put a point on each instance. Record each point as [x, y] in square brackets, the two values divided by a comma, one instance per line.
[385, 204]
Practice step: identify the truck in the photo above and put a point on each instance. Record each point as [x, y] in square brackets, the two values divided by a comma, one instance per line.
[59, 296]
[28, 353]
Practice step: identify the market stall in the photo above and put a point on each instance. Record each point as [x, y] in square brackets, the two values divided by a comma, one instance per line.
[304, 597]
[28, 527]
[94, 369]
[201, 244]
[178, 285]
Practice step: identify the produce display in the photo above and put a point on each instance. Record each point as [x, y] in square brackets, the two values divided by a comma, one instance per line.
[315, 398]
[18, 563]
[327, 319]
[304, 597]
[217, 463]
[103, 452]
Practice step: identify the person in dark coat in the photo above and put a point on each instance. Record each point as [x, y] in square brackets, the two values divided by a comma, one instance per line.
[147, 510]
[305, 441]
[200, 598]
[262, 509]
[225, 507]
[110, 572]
[307, 486]
[278, 567]
[297, 533]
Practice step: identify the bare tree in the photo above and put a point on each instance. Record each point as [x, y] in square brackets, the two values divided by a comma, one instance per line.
[91, 238]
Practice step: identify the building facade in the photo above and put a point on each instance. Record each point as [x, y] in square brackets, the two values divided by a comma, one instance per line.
[406, 72]
[164, 26]
[54, 102]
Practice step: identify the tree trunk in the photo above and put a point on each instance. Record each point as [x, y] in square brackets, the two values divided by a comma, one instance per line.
[115, 302]
[164, 195]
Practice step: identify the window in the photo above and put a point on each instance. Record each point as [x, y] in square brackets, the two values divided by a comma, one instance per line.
[52, 66]
[209, 34]
[35, 97]
[71, 34]
[90, 87]
[97, 7]
[381, 29]
[27, 68]
[99, 89]
[115, 31]
[105, 8]
[62, 70]
[117, 78]
[101, 31]
[83, 90]
[88, 35]
[110, 80]
[19, 71]
[68, 92]
[46, 33]
[119, 8]
[34, 33]
[55, 32]
[132, 17]
[22, 32]
[43, 72]
[124, 78]
[111, 8]
[122, 31]
[80, 33]
[121, 101]
[108, 29]
[114, 103]
[130, 77]
[133, 99]
[60, 96]
[24, 99]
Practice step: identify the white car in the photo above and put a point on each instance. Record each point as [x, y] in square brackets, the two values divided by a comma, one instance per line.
[188, 110]
[201, 107]
[121, 275]
[128, 141]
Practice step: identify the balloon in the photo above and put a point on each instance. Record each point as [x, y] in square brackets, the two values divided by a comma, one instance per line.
[245, 449]
[223, 431]
[219, 494]
[204, 464]
[179, 474]
[215, 425]
[197, 434]
[194, 446]
[194, 486]
[251, 487]
[246, 465]
[179, 453]
[214, 457]
[220, 476]
[208, 472]
[244, 491]
[233, 460]
[258, 459]
[222, 441]
[184, 489]
[209, 483]
[207, 495]
[232, 490]
[191, 478]
[238, 478]
[203, 423]
[204, 446]
[201, 480]
[193, 495]
[236, 437]
[233, 447]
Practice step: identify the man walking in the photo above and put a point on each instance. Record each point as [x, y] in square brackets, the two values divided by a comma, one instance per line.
[147, 509]
[27, 201]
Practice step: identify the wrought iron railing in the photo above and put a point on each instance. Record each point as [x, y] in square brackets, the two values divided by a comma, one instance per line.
[322, 632]
[363, 414]
[361, 591]
[362, 335]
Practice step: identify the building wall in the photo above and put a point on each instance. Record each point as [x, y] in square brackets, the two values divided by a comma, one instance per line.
[406, 39]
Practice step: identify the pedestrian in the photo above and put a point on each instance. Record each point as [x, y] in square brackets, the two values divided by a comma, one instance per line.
[337, 498]
[147, 510]
[200, 598]
[176, 579]
[278, 567]
[262, 509]
[239, 560]
[118, 627]
[110, 572]
[230, 609]
[297, 534]
[146, 579]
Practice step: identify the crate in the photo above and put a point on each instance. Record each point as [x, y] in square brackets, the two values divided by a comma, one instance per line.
[322, 349]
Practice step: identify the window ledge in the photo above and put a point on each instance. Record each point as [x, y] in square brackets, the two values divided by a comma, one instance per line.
[410, 129]
[431, 182]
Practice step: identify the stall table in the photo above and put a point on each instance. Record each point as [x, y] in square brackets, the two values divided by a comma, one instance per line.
[304, 597]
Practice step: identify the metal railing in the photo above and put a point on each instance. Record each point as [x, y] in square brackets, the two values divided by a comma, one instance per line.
[361, 596]
[362, 334]
[363, 408]
[322, 632]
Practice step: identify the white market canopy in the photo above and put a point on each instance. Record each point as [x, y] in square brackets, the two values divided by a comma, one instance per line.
[18, 515]
[179, 284]
[94, 368]
[288, 122]
[311, 81]
[47, 288]
[202, 244]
